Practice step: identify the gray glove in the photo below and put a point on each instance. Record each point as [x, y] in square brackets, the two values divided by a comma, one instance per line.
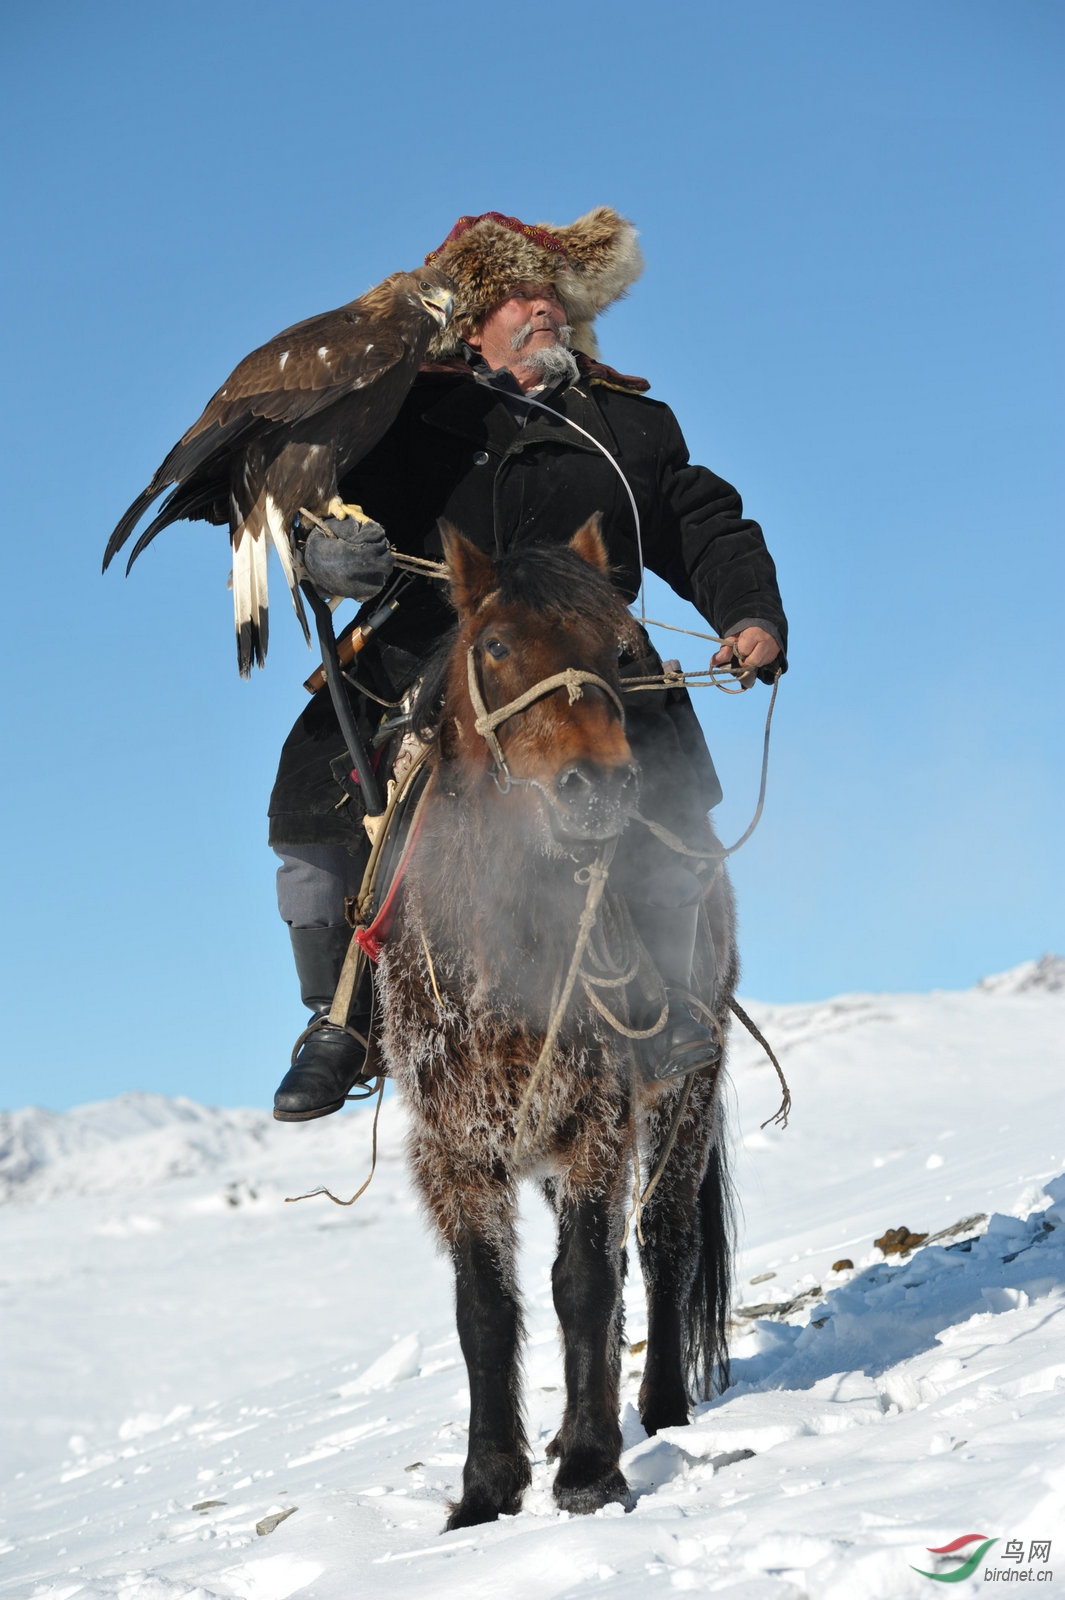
[353, 559]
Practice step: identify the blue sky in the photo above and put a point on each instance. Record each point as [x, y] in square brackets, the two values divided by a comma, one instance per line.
[852, 223]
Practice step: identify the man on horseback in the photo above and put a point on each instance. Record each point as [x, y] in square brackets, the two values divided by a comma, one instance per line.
[516, 433]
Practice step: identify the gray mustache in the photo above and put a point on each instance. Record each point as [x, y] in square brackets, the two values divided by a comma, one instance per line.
[521, 338]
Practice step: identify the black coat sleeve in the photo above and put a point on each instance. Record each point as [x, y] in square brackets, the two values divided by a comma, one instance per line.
[705, 548]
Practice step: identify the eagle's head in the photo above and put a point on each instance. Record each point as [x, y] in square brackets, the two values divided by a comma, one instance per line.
[434, 292]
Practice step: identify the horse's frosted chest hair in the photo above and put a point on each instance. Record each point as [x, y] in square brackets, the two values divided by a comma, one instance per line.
[463, 1067]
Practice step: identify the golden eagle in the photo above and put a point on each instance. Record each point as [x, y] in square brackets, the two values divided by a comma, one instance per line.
[290, 420]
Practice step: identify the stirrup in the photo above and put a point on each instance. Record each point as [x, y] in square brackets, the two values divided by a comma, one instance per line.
[328, 1062]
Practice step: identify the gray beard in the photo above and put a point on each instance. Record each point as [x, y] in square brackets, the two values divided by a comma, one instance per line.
[552, 362]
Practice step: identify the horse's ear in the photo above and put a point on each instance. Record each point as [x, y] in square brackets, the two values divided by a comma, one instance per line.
[471, 574]
[588, 543]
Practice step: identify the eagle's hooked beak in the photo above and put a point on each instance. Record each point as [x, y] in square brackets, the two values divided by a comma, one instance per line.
[440, 304]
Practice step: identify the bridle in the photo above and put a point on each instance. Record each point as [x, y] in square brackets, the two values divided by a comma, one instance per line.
[486, 722]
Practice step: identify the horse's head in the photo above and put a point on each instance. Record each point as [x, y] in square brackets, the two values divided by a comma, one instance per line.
[532, 689]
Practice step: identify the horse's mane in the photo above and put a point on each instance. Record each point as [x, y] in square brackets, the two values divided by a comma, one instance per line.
[429, 696]
[555, 580]
[552, 580]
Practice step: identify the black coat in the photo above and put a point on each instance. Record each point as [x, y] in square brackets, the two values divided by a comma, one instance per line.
[456, 451]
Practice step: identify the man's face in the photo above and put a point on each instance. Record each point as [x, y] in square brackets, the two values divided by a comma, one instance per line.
[502, 338]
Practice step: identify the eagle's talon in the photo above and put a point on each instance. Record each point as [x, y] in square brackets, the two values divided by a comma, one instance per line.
[340, 509]
[350, 531]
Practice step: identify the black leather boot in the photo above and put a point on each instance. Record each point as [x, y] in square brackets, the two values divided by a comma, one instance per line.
[685, 1043]
[330, 1060]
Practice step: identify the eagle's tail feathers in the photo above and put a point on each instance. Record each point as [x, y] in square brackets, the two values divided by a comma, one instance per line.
[251, 609]
[275, 523]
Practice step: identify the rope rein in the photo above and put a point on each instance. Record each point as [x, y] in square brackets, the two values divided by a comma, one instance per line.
[312, 1194]
[782, 1111]
[640, 1197]
[702, 678]
[595, 875]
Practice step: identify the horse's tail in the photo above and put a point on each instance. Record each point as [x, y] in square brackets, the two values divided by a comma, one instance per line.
[706, 1322]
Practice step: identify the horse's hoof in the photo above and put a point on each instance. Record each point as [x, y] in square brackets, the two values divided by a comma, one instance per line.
[580, 1500]
[657, 1417]
[470, 1513]
[492, 1488]
[662, 1404]
[465, 1516]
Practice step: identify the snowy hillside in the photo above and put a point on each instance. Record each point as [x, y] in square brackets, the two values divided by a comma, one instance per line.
[187, 1359]
[128, 1143]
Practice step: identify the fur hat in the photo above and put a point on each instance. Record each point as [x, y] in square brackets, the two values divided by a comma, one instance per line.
[590, 263]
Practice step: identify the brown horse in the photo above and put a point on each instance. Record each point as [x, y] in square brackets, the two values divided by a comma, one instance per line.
[518, 810]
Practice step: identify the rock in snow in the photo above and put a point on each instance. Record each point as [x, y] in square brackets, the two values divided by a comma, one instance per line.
[188, 1359]
[1046, 975]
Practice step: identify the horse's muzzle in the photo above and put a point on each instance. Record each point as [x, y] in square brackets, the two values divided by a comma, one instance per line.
[592, 801]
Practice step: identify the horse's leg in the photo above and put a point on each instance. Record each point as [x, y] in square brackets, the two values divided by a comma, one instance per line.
[686, 1258]
[586, 1280]
[472, 1202]
[488, 1311]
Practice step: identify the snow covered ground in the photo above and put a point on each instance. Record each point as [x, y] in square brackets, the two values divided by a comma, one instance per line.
[208, 1392]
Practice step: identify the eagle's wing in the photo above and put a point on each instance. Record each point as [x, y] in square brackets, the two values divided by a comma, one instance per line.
[299, 372]
[302, 370]
[257, 449]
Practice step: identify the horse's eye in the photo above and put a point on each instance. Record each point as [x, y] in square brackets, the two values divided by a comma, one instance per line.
[496, 649]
